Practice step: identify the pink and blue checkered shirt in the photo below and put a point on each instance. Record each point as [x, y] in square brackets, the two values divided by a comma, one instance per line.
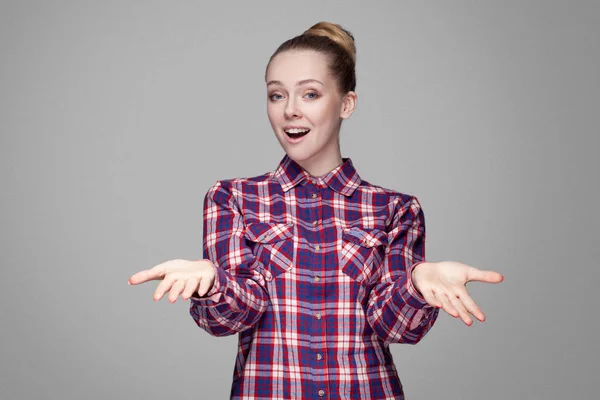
[314, 275]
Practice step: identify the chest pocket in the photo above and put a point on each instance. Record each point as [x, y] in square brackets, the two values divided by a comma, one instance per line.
[362, 253]
[273, 245]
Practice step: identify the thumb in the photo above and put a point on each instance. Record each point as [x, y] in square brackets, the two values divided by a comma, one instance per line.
[474, 274]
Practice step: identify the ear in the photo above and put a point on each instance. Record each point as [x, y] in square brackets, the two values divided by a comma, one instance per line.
[348, 105]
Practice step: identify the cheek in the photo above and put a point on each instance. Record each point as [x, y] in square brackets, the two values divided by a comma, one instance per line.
[271, 114]
[327, 115]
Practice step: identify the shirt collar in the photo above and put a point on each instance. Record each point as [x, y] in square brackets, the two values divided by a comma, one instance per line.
[343, 179]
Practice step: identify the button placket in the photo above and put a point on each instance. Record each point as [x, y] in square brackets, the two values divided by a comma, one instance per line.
[316, 223]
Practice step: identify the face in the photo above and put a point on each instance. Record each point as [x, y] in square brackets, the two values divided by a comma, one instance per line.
[302, 96]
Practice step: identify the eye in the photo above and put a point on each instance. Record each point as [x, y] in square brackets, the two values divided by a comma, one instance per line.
[312, 95]
[274, 97]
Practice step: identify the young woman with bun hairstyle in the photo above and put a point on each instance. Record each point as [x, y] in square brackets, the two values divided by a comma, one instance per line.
[317, 270]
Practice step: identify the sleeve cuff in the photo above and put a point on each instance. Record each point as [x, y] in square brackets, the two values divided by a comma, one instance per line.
[411, 295]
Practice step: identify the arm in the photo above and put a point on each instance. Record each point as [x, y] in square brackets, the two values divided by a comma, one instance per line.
[396, 310]
[238, 297]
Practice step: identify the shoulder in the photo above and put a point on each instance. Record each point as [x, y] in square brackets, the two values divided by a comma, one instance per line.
[393, 197]
[240, 185]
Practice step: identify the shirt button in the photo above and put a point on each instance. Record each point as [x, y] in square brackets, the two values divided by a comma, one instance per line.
[314, 195]
[318, 315]
[319, 356]
[317, 278]
[318, 248]
[315, 223]
[321, 393]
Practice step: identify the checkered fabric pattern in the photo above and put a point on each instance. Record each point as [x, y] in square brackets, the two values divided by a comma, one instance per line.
[314, 275]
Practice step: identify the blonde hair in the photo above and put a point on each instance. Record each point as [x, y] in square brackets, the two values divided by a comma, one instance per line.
[336, 33]
[333, 41]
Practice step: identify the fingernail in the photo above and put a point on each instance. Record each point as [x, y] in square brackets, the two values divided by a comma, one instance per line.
[129, 283]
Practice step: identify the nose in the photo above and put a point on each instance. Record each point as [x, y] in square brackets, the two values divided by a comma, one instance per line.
[292, 110]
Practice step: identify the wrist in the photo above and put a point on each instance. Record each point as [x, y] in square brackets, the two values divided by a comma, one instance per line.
[207, 264]
[415, 273]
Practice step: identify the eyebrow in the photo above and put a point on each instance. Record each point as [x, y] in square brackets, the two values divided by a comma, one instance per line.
[299, 83]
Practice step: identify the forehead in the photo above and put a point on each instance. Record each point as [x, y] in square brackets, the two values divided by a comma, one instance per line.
[291, 66]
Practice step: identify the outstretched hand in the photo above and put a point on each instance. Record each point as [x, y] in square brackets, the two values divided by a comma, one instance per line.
[443, 285]
[180, 277]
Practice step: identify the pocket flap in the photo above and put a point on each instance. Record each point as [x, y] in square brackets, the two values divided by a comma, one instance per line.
[268, 232]
[365, 237]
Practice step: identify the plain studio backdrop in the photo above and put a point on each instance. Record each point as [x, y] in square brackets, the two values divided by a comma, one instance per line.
[117, 116]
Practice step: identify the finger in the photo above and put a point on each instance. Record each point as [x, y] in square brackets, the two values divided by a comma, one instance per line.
[146, 275]
[176, 289]
[431, 299]
[204, 286]
[163, 287]
[474, 274]
[190, 287]
[462, 311]
[470, 305]
[446, 305]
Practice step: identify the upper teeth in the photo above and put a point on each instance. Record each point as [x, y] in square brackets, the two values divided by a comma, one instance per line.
[297, 130]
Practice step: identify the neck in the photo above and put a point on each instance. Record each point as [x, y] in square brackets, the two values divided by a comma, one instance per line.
[318, 167]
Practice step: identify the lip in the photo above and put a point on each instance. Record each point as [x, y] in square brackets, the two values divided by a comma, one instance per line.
[295, 140]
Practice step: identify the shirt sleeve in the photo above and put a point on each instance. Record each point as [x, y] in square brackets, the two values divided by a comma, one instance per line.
[396, 310]
[238, 297]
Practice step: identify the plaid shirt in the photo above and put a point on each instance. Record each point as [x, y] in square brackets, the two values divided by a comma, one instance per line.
[314, 275]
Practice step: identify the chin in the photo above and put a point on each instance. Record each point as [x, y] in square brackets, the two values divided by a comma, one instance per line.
[298, 155]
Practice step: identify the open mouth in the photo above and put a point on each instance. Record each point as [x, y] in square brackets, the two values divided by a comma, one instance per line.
[296, 133]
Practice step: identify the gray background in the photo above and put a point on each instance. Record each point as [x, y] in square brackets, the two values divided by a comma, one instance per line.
[116, 117]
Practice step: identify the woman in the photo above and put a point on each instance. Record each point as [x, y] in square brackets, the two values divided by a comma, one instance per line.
[318, 270]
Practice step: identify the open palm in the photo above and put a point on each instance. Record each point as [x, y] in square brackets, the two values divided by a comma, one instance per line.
[443, 285]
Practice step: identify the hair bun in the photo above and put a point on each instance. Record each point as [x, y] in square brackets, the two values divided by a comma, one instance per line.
[336, 33]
